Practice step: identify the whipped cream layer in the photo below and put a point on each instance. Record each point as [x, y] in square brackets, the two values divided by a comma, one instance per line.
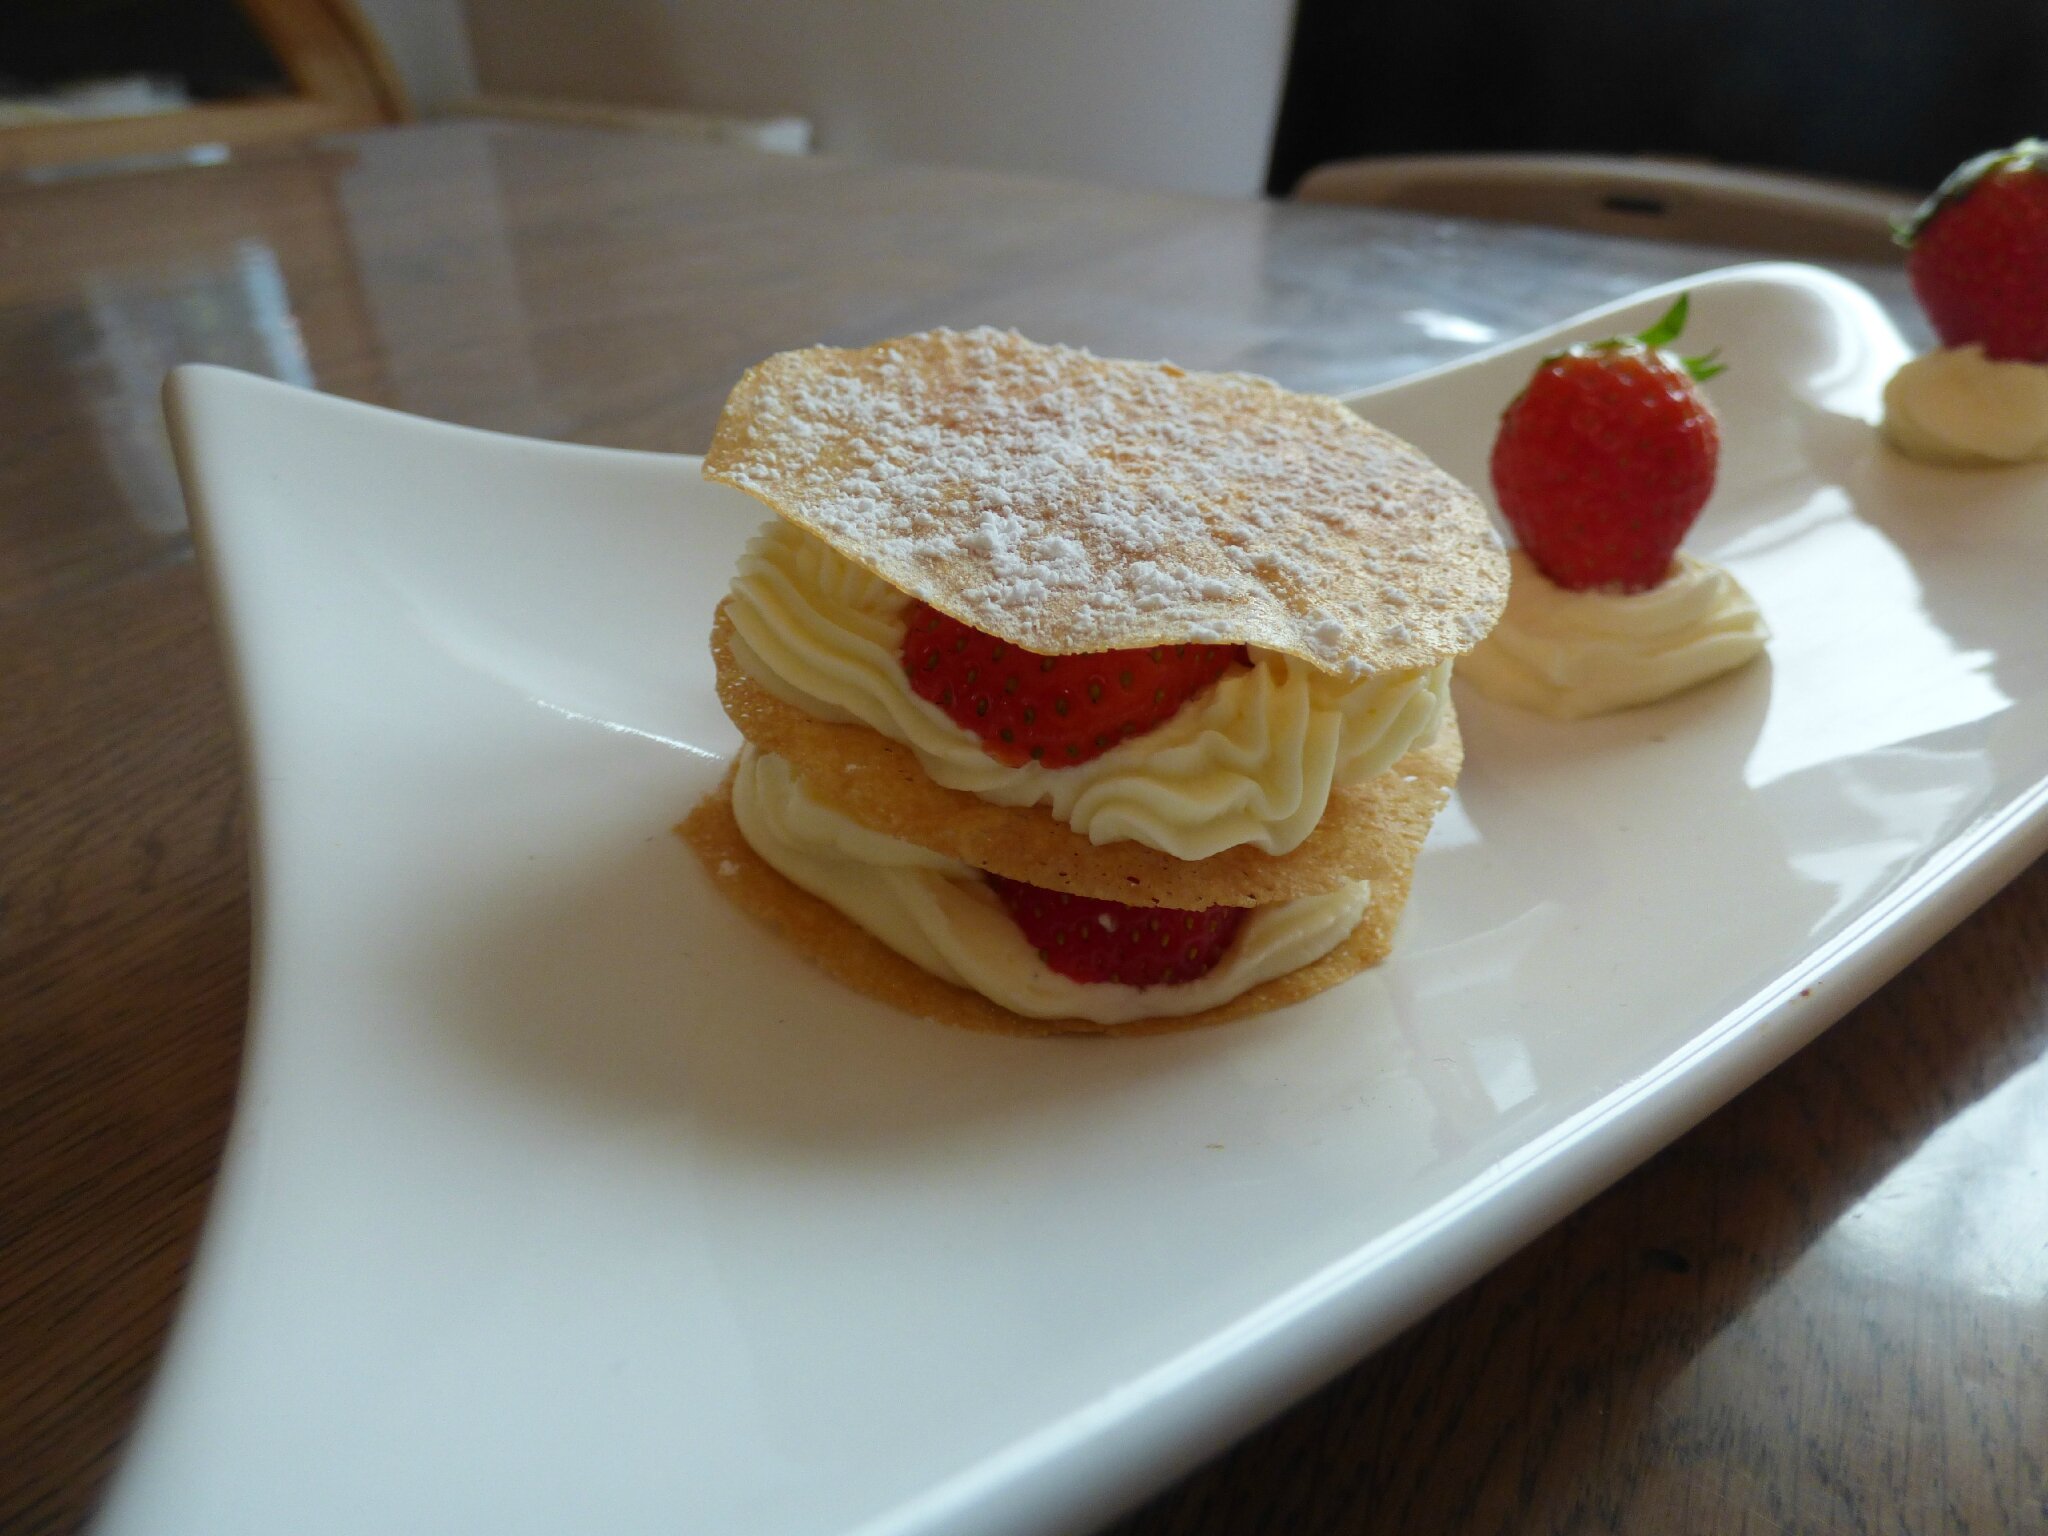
[1252, 760]
[941, 914]
[1573, 654]
[1956, 406]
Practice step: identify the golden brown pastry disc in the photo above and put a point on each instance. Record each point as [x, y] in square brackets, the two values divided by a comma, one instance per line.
[1069, 503]
[853, 955]
[1369, 830]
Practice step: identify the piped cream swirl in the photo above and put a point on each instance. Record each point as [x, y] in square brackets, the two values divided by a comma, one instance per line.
[1956, 406]
[1573, 654]
[1252, 760]
[941, 915]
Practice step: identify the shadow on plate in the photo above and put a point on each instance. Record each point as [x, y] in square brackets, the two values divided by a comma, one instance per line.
[624, 980]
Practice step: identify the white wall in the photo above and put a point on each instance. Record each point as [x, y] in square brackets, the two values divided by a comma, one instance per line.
[1162, 93]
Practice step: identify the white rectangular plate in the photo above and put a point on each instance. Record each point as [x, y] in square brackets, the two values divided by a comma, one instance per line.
[560, 1198]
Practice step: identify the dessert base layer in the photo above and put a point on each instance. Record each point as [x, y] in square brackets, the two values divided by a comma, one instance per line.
[846, 951]
[1371, 831]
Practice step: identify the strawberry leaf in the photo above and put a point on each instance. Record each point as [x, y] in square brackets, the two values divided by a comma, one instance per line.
[1704, 367]
[1666, 330]
[1655, 340]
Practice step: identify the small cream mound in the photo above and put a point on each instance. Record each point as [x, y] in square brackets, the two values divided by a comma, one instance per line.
[1067, 503]
[1957, 407]
[942, 916]
[1251, 761]
[1574, 654]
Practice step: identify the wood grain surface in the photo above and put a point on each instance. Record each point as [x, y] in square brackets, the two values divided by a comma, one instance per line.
[1824, 1310]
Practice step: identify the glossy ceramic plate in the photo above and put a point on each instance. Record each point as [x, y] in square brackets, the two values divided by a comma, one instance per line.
[561, 1199]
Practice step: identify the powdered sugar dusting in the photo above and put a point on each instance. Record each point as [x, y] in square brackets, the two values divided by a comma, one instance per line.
[1068, 503]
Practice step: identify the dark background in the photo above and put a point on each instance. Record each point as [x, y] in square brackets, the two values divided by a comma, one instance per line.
[208, 45]
[1888, 92]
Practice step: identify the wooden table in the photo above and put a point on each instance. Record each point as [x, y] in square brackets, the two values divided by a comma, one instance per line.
[1826, 1309]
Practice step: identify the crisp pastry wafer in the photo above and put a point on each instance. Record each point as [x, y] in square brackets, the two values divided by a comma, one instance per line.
[1068, 503]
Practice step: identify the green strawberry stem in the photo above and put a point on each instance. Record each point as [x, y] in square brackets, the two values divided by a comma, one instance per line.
[1663, 333]
[1655, 339]
[1666, 330]
[2027, 155]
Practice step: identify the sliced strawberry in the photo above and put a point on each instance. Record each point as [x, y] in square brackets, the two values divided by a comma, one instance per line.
[1059, 710]
[1087, 939]
[1606, 458]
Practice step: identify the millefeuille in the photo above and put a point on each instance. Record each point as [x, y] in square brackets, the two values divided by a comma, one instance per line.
[1082, 695]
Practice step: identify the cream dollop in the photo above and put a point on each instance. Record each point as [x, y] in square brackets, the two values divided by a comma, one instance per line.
[1573, 654]
[1252, 760]
[941, 915]
[1956, 406]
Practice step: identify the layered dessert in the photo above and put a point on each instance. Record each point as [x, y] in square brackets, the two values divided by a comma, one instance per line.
[1601, 466]
[1978, 261]
[1082, 695]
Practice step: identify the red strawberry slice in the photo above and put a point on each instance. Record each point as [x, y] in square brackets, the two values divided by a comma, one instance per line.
[1059, 710]
[1087, 939]
[1606, 458]
[1979, 254]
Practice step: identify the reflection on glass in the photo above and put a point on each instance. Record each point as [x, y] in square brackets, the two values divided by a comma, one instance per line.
[234, 310]
[1440, 325]
[441, 285]
[1973, 1193]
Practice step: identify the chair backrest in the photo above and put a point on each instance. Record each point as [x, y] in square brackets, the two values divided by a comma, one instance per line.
[1662, 199]
[339, 76]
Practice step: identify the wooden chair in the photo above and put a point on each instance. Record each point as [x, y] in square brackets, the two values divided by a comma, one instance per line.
[340, 78]
[1662, 199]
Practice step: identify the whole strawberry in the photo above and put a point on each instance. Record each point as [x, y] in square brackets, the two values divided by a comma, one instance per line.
[1978, 254]
[1057, 710]
[1087, 939]
[1604, 460]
